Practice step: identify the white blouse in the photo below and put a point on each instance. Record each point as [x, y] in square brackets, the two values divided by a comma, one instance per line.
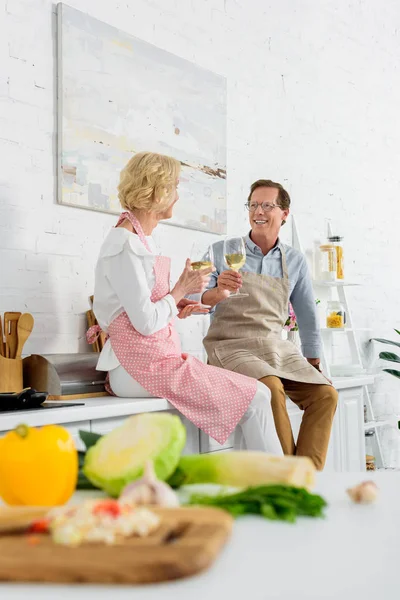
[124, 279]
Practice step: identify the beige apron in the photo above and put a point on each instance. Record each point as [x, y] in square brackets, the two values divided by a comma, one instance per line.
[245, 335]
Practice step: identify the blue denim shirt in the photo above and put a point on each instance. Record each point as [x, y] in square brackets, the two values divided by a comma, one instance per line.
[301, 290]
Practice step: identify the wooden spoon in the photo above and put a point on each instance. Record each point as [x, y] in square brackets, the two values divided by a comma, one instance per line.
[24, 329]
[2, 349]
[10, 326]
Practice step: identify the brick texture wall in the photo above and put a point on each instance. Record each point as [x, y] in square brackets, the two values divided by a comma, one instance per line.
[313, 97]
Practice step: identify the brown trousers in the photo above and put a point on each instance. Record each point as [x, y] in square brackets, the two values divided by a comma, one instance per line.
[319, 405]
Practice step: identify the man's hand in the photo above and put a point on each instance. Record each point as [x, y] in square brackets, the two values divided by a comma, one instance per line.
[229, 281]
[188, 307]
[315, 362]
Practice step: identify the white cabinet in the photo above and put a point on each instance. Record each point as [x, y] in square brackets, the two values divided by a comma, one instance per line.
[74, 428]
[346, 451]
[208, 444]
[352, 440]
[346, 448]
[103, 426]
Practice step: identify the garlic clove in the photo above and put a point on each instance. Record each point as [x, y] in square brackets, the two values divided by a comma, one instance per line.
[149, 490]
[364, 493]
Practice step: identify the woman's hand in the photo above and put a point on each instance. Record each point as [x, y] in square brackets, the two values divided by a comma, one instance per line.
[191, 282]
[229, 281]
[188, 307]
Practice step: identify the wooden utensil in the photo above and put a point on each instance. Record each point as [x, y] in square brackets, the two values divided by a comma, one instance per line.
[19, 518]
[10, 327]
[24, 329]
[187, 542]
[2, 349]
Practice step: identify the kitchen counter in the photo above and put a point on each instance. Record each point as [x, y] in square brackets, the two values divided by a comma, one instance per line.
[350, 555]
[94, 408]
[110, 406]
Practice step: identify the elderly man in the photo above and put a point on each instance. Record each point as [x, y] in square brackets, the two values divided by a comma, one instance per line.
[245, 332]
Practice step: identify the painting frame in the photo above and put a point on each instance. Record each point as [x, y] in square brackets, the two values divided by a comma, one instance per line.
[203, 205]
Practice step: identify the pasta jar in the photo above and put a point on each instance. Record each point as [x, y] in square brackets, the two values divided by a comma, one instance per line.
[335, 315]
[337, 243]
[327, 263]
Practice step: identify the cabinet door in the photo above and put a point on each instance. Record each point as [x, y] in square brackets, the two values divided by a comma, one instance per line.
[192, 434]
[74, 428]
[208, 444]
[352, 429]
[103, 426]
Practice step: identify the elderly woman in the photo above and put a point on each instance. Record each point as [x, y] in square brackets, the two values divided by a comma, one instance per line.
[134, 305]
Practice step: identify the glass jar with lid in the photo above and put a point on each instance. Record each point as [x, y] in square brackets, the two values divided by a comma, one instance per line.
[327, 263]
[337, 242]
[335, 315]
[369, 450]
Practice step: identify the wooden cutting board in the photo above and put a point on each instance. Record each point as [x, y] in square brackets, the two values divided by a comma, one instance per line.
[187, 542]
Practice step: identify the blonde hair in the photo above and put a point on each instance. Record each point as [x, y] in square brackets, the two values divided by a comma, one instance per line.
[148, 181]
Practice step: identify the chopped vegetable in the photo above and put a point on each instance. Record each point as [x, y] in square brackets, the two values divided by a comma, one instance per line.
[243, 469]
[40, 526]
[107, 521]
[119, 457]
[276, 502]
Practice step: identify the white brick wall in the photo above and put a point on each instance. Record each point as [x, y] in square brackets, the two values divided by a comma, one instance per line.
[313, 93]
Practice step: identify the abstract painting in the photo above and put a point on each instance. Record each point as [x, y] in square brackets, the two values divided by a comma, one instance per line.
[118, 96]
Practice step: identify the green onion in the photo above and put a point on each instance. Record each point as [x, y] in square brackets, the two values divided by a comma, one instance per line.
[276, 502]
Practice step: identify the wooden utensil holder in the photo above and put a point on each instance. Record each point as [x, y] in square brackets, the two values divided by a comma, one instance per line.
[11, 378]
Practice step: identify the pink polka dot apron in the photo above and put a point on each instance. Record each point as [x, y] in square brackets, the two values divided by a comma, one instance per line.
[211, 398]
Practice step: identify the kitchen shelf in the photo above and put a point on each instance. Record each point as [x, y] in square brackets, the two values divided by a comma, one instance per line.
[339, 288]
[375, 424]
[330, 284]
[348, 329]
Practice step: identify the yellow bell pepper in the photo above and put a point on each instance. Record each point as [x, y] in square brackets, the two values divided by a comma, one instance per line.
[38, 467]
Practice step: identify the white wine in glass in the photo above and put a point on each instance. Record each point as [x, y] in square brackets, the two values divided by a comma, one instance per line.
[201, 259]
[235, 258]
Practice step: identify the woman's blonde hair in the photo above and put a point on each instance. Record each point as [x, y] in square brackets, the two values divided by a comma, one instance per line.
[148, 181]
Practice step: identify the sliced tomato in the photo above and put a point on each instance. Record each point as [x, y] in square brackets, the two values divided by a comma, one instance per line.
[39, 526]
[107, 507]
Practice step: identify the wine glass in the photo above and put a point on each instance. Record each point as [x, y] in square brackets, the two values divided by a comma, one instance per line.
[201, 258]
[235, 257]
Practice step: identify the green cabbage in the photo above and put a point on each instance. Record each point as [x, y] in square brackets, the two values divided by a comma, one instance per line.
[119, 457]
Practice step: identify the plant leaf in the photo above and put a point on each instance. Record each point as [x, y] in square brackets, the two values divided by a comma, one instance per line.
[383, 341]
[393, 372]
[397, 331]
[389, 356]
[89, 438]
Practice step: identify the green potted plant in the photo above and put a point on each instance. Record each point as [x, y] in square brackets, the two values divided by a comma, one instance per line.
[390, 356]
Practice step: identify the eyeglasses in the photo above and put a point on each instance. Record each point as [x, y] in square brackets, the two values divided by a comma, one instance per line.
[265, 206]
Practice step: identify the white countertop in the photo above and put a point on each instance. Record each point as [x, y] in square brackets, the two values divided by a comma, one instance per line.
[111, 406]
[353, 554]
[93, 408]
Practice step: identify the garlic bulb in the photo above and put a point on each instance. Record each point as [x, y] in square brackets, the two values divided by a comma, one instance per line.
[149, 490]
[364, 493]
